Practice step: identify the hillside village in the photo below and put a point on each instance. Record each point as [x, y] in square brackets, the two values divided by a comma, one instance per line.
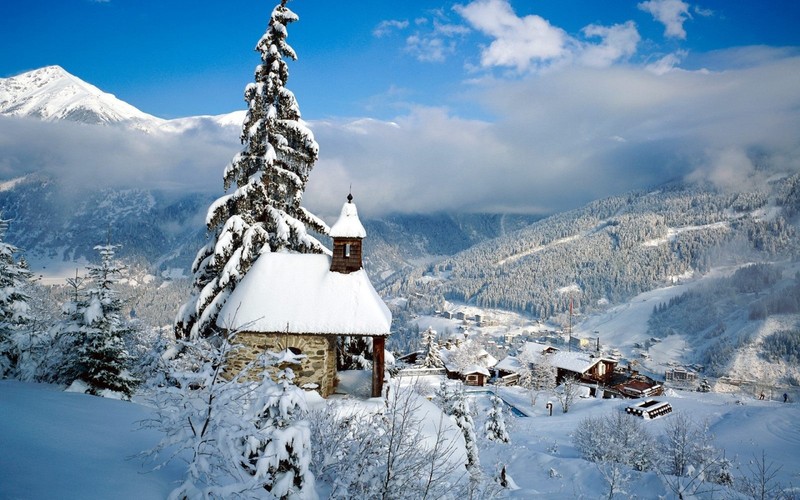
[645, 345]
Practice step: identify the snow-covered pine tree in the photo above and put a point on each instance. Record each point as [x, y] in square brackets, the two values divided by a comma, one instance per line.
[13, 307]
[495, 426]
[455, 404]
[279, 455]
[102, 360]
[432, 356]
[264, 213]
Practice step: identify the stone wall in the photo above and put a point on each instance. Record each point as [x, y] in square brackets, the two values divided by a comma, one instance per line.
[319, 367]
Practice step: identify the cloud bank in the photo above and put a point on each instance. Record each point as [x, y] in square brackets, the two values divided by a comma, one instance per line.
[567, 137]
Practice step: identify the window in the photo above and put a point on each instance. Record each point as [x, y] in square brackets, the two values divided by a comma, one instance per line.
[347, 249]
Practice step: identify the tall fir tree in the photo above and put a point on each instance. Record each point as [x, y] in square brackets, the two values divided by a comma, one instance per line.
[13, 306]
[263, 213]
[102, 361]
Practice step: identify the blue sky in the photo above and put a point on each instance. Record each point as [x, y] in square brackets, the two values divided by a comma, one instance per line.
[482, 105]
[178, 57]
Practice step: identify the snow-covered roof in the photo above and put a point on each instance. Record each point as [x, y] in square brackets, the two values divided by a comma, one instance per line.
[509, 364]
[486, 359]
[578, 362]
[575, 361]
[476, 369]
[348, 225]
[297, 293]
[535, 352]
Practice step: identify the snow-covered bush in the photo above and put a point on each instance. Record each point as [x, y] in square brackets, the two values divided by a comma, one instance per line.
[386, 453]
[690, 463]
[618, 438]
[239, 438]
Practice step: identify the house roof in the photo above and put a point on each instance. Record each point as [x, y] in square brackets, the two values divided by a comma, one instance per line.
[576, 361]
[348, 225]
[509, 364]
[476, 369]
[297, 293]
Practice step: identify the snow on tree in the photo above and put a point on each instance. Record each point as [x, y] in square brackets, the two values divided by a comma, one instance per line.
[279, 454]
[387, 453]
[618, 438]
[102, 360]
[245, 438]
[14, 316]
[432, 357]
[691, 464]
[536, 374]
[495, 426]
[567, 392]
[353, 353]
[263, 213]
[453, 403]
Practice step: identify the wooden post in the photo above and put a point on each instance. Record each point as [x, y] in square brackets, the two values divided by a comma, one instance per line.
[378, 346]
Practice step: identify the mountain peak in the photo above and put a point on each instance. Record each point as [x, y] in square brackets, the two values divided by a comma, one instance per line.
[52, 94]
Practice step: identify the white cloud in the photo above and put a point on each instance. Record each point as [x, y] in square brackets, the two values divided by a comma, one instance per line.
[563, 138]
[531, 42]
[667, 63]
[518, 42]
[387, 27]
[558, 139]
[671, 13]
[434, 40]
[617, 42]
[429, 49]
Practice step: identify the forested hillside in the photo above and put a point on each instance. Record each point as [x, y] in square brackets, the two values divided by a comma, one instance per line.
[615, 248]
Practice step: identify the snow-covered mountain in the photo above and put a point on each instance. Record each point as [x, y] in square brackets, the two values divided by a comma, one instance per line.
[53, 94]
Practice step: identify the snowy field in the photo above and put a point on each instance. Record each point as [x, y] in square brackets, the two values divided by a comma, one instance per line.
[65, 445]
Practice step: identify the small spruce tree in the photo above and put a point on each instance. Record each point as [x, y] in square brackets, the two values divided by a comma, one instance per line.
[279, 454]
[495, 426]
[432, 357]
[102, 361]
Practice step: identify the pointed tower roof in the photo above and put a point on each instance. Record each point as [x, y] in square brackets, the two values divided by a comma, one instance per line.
[348, 225]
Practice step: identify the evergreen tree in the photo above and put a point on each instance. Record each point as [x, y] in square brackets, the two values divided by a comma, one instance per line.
[495, 426]
[263, 213]
[279, 454]
[96, 320]
[13, 307]
[353, 353]
[453, 403]
[432, 351]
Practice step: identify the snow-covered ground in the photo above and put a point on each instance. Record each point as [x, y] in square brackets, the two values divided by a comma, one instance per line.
[66, 445]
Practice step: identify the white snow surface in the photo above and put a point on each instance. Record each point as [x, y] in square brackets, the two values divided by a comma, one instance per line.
[348, 225]
[66, 445]
[297, 293]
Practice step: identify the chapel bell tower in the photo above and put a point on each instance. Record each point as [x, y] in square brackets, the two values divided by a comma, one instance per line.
[347, 234]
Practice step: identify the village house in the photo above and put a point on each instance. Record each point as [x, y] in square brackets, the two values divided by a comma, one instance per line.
[304, 302]
[476, 374]
[585, 367]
